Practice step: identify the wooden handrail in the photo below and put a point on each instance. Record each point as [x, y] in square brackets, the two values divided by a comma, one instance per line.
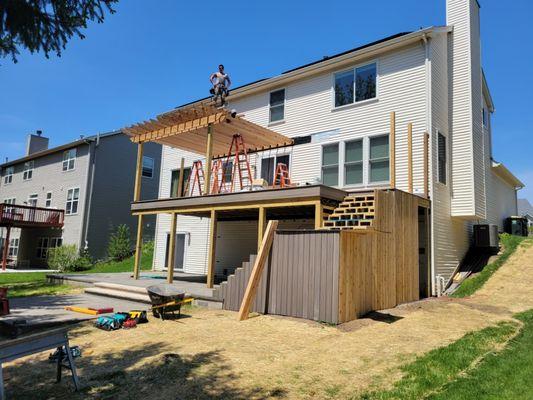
[15, 214]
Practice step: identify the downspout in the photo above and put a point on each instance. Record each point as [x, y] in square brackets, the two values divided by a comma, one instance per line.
[90, 185]
[429, 130]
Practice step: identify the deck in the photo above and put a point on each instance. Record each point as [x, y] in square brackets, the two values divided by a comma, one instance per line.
[19, 216]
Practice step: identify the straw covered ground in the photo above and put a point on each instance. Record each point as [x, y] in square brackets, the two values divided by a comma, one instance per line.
[208, 354]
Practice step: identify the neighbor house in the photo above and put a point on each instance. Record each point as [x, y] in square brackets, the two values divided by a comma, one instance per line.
[76, 193]
[408, 114]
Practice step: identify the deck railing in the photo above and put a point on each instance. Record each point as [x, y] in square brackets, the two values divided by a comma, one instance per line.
[18, 215]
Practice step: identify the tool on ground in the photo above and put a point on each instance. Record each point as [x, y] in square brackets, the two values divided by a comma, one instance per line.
[129, 323]
[105, 310]
[60, 353]
[166, 299]
[138, 315]
[111, 322]
[81, 310]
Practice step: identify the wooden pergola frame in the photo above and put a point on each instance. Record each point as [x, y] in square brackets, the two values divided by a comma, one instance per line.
[192, 128]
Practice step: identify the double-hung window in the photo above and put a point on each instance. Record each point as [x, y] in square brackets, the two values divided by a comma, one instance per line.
[27, 174]
[148, 167]
[32, 200]
[48, 202]
[442, 158]
[73, 196]
[269, 166]
[330, 164]
[356, 85]
[8, 177]
[13, 249]
[277, 105]
[378, 159]
[69, 159]
[353, 162]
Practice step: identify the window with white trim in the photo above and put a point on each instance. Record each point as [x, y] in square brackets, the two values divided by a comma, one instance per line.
[8, 176]
[69, 159]
[270, 164]
[330, 164]
[13, 250]
[355, 85]
[353, 162]
[42, 247]
[56, 242]
[32, 200]
[378, 159]
[148, 167]
[277, 105]
[73, 196]
[48, 202]
[442, 158]
[10, 201]
[27, 173]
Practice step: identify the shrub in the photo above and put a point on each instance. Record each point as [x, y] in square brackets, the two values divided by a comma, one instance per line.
[119, 246]
[148, 247]
[66, 258]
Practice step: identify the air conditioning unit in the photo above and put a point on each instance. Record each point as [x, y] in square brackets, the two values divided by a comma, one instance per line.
[486, 236]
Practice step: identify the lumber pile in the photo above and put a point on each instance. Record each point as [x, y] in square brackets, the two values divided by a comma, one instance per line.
[356, 211]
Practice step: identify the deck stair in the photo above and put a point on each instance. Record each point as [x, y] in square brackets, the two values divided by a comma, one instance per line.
[356, 211]
[125, 292]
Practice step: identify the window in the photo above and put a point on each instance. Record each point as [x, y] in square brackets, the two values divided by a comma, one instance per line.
[13, 250]
[228, 171]
[42, 248]
[48, 202]
[356, 85]
[8, 177]
[269, 165]
[69, 159]
[442, 156]
[379, 159]
[485, 117]
[353, 162]
[148, 167]
[277, 105]
[330, 164]
[9, 201]
[56, 242]
[28, 171]
[73, 196]
[174, 182]
[32, 200]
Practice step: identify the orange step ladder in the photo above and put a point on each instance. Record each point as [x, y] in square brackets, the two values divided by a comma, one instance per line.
[282, 177]
[196, 178]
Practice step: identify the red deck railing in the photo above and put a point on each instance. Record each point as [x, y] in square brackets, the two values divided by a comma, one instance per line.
[15, 215]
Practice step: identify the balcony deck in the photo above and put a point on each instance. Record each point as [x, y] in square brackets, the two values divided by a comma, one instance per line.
[19, 216]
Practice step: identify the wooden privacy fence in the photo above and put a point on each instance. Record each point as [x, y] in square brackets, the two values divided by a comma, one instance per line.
[338, 276]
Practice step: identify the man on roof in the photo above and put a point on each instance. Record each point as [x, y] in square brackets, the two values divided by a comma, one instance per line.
[221, 83]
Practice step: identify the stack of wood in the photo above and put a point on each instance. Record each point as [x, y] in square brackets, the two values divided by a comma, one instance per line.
[355, 212]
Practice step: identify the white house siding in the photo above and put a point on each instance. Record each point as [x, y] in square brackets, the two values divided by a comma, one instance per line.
[468, 174]
[309, 110]
[501, 201]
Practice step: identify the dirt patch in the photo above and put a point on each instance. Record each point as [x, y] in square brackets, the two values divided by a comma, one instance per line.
[212, 355]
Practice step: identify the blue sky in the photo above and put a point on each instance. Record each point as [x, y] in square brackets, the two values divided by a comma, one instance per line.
[153, 55]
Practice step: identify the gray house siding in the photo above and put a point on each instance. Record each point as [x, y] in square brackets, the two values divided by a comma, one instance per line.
[114, 179]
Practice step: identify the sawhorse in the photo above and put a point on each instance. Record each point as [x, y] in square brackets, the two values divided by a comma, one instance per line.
[36, 343]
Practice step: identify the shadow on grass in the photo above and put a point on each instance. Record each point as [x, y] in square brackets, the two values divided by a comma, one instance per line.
[138, 373]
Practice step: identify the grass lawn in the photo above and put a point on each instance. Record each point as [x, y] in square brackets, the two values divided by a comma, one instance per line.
[34, 283]
[472, 284]
[494, 363]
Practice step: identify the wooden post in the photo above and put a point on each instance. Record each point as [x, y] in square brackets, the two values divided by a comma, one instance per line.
[138, 173]
[6, 248]
[180, 180]
[319, 218]
[172, 248]
[208, 158]
[257, 270]
[426, 165]
[138, 248]
[212, 248]
[261, 226]
[410, 158]
[392, 150]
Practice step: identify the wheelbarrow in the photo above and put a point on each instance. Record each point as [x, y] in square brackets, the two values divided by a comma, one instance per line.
[166, 299]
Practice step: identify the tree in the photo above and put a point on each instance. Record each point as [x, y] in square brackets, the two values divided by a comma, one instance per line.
[119, 244]
[46, 25]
